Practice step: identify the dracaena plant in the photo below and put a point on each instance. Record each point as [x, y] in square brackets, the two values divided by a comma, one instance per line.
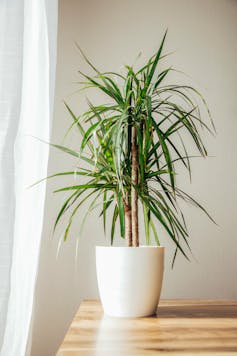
[129, 152]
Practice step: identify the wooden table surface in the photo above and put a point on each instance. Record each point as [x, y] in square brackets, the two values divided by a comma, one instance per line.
[181, 327]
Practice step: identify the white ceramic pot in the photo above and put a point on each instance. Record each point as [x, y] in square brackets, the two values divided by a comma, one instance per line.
[129, 279]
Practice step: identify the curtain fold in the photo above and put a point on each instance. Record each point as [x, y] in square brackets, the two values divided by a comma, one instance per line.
[27, 70]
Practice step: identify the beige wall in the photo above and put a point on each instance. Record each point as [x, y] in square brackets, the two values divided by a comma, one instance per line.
[203, 33]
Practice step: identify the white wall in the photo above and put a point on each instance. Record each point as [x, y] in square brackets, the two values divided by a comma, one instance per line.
[203, 33]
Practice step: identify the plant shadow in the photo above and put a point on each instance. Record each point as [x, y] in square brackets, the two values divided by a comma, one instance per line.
[200, 310]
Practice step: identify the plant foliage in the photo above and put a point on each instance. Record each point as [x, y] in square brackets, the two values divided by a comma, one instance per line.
[162, 115]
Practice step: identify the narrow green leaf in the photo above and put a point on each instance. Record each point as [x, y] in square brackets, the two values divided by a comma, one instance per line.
[104, 210]
[121, 214]
[63, 209]
[166, 153]
[155, 233]
[85, 186]
[154, 65]
[147, 220]
[161, 76]
[114, 219]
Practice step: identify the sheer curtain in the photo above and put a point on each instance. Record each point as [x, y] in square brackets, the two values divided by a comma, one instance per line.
[28, 31]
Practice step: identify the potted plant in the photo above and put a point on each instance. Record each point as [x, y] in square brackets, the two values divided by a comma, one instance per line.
[131, 148]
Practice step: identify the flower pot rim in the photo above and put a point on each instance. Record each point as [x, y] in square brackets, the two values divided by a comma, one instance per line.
[131, 247]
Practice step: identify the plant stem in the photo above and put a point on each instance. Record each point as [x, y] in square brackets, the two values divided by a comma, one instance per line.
[134, 197]
[128, 223]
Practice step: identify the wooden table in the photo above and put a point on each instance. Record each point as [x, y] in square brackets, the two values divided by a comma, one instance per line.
[181, 327]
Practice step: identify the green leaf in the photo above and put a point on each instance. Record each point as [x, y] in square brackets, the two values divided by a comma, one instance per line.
[156, 173]
[106, 205]
[121, 214]
[73, 214]
[155, 233]
[161, 76]
[104, 209]
[166, 153]
[88, 135]
[65, 149]
[64, 208]
[77, 123]
[85, 186]
[147, 221]
[154, 65]
[114, 219]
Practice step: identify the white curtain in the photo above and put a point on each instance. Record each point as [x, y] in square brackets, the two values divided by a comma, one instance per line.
[28, 32]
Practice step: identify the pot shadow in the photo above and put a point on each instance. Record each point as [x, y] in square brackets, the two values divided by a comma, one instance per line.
[203, 309]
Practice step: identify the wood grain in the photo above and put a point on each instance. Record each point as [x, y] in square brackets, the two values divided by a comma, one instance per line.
[181, 327]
